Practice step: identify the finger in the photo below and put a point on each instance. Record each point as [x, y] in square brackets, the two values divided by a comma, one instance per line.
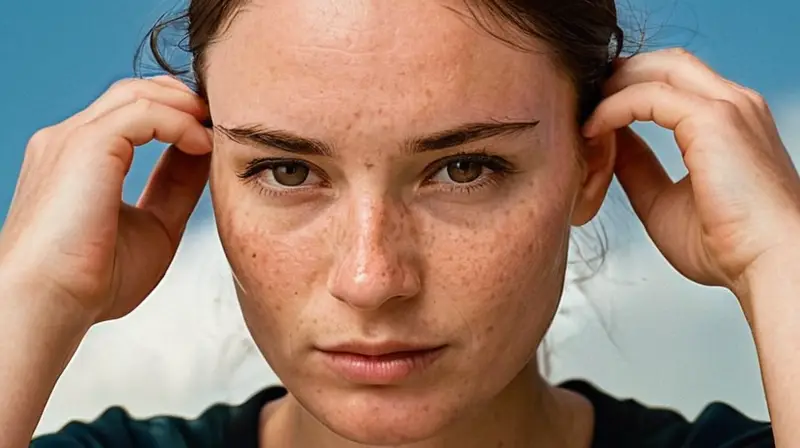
[640, 173]
[171, 81]
[105, 146]
[129, 91]
[174, 188]
[675, 67]
[652, 101]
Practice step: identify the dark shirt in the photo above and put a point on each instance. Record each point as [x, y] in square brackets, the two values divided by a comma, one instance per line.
[618, 424]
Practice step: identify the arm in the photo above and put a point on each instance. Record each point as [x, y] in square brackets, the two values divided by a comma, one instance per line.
[771, 303]
[71, 253]
[38, 340]
[734, 221]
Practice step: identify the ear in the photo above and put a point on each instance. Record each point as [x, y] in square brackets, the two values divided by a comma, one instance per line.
[599, 155]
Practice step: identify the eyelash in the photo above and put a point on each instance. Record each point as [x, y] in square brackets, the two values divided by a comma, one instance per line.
[499, 167]
[258, 166]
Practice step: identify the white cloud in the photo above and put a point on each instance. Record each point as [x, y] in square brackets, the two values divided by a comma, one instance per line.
[666, 341]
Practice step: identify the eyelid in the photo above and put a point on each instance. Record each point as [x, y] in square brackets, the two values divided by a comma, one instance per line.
[494, 163]
[259, 165]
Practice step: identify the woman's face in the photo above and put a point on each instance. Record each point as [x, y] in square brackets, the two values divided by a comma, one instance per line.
[387, 173]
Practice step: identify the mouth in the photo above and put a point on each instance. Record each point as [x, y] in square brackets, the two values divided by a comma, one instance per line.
[380, 364]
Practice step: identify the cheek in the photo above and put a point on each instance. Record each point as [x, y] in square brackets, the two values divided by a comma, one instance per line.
[507, 274]
[276, 270]
[503, 279]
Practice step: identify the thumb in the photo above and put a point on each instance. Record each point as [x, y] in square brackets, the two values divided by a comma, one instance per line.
[174, 189]
[640, 173]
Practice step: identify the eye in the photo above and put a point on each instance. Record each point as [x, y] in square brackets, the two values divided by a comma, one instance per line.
[468, 172]
[460, 172]
[278, 176]
[289, 174]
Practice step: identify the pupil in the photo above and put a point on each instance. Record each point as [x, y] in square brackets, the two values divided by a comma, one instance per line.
[291, 175]
[464, 171]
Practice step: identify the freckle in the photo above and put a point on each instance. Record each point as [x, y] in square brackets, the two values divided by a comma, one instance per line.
[490, 329]
[357, 114]
[315, 321]
[254, 255]
[369, 166]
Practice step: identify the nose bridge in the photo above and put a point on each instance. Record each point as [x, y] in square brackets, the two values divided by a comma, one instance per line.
[378, 226]
[375, 253]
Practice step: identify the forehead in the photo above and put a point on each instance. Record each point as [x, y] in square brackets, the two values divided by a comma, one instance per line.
[314, 63]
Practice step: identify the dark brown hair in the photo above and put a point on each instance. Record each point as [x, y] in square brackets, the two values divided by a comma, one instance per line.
[583, 36]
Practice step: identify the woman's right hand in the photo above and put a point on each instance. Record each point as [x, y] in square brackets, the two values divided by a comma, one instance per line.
[69, 235]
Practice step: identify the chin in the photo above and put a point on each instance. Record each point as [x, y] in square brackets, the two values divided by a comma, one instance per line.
[383, 416]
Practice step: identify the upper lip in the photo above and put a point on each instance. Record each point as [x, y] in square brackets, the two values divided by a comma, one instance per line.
[378, 348]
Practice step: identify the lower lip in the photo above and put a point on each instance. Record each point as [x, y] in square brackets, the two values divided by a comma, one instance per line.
[381, 370]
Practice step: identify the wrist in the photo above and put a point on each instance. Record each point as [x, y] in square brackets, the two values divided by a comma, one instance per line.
[771, 282]
[31, 300]
[39, 334]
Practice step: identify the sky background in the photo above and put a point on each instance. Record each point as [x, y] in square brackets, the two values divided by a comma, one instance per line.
[637, 330]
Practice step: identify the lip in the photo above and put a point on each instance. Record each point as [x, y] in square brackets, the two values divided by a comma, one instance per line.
[379, 364]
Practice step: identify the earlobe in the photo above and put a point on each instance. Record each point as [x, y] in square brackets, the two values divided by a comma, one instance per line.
[599, 155]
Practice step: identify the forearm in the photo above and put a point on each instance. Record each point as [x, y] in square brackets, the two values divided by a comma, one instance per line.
[771, 301]
[37, 339]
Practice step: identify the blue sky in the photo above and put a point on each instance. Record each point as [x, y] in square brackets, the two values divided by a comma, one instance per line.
[59, 57]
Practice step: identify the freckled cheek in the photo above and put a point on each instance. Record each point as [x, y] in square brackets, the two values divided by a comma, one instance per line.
[277, 272]
[504, 278]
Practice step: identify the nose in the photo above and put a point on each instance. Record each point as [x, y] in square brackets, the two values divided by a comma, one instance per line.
[376, 262]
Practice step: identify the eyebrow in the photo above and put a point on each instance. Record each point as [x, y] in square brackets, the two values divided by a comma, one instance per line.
[259, 136]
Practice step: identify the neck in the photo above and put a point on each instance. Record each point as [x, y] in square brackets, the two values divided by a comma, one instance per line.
[527, 413]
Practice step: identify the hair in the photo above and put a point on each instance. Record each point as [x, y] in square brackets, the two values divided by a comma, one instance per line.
[583, 36]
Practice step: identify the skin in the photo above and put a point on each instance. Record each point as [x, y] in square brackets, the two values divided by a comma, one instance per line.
[381, 247]
[388, 249]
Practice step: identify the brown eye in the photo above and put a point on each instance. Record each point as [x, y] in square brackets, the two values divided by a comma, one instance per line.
[464, 171]
[290, 174]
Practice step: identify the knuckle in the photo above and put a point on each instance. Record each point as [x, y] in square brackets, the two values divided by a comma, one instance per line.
[143, 105]
[756, 98]
[680, 52]
[658, 86]
[40, 139]
[131, 90]
[134, 92]
[725, 108]
[122, 84]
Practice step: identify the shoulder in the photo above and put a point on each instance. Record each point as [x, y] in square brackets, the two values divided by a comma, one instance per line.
[626, 422]
[219, 425]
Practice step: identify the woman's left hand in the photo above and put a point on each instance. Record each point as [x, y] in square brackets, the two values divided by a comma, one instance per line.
[740, 202]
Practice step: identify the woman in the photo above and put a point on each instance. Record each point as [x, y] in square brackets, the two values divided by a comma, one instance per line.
[394, 184]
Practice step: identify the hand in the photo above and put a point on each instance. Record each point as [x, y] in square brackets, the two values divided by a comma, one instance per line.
[68, 232]
[741, 199]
